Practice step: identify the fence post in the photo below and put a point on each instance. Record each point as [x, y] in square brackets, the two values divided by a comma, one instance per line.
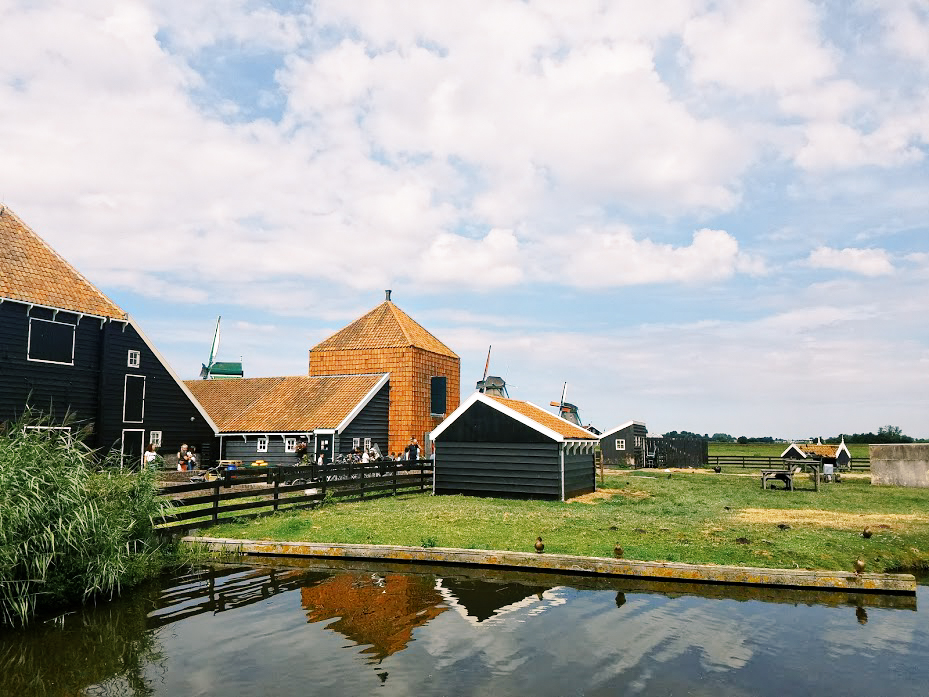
[394, 468]
[277, 481]
[422, 478]
[216, 501]
[361, 488]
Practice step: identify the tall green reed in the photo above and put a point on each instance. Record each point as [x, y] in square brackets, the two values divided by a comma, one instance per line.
[72, 525]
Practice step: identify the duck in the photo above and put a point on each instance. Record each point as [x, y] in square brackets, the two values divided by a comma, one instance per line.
[717, 469]
[539, 546]
[866, 533]
[618, 551]
[859, 565]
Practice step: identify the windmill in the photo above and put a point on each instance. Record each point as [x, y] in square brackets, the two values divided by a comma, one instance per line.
[492, 385]
[568, 412]
[214, 370]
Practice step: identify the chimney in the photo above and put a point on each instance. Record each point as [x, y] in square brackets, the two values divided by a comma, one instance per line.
[387, 294]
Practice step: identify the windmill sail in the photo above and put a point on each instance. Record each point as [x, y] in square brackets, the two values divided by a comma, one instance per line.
[214, 351]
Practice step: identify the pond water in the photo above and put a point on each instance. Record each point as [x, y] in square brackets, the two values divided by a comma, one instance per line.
[362, 628]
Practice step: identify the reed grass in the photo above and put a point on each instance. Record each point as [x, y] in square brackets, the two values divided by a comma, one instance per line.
[72, 526]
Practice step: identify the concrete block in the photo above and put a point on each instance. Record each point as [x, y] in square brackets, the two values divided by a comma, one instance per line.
[900, 465]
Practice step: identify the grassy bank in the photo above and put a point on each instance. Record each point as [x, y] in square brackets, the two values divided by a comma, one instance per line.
[695, 517]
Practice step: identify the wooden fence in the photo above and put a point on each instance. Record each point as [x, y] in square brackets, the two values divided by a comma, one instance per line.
[767, 462]
[247, 492]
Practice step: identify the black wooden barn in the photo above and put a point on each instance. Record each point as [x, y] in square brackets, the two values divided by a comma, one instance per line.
[67, 348]
[492, 446]
[624, 444]
[266, 419]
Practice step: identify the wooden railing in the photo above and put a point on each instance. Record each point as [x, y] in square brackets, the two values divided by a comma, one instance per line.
[767, 462]
[251, 491]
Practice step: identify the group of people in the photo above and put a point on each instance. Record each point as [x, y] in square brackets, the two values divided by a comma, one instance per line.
[186, 458]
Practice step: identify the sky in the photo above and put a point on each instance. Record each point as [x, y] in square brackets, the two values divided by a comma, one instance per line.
[708, 216]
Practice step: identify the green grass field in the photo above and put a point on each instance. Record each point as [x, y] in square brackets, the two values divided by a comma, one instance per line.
[688, 517]
[772, 449]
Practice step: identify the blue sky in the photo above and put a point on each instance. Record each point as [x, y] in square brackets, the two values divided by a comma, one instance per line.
[710, 216]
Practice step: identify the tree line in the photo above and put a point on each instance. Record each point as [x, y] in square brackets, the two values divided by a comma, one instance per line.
[885, 434]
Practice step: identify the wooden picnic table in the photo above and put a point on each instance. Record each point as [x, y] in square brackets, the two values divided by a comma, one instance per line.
[787, 474]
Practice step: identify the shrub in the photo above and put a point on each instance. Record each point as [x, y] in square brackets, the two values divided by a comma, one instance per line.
[71, 526]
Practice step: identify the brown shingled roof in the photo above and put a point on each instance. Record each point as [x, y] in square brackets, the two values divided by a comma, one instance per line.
[32, 272]
[821, 450]
[386, 326]
[283, 404]
[564, 428]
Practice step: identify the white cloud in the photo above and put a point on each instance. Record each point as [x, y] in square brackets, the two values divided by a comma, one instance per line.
[616, 258]
[867, 262]
[487, 262]
[764, 45]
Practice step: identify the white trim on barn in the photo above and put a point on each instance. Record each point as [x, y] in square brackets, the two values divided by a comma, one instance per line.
[609, 433]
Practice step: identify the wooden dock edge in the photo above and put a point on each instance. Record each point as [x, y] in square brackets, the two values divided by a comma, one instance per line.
[564, 563]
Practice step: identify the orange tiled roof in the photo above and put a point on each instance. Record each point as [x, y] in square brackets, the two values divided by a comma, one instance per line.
[32, 272]
[547, 419]
[386, 326]
[283, 404]
[821, 450]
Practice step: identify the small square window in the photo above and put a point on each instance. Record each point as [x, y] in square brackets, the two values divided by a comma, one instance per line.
[262, 444]
[290, 445]
[367, 443]
[356, 443]
[135, 359]
[154, 437]
[620, 443]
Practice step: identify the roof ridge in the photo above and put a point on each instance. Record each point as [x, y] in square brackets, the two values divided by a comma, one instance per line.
[399, 318]
[6, 210]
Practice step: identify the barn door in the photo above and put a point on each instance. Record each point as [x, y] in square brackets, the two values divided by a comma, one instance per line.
[134, 399]
[132, 448]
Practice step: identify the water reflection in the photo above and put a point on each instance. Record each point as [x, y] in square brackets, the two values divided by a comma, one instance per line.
[357, 627]
[373, 609]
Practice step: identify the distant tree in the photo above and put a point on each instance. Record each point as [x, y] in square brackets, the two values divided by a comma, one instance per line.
[722, 438]
[742, 440]
[684, 434]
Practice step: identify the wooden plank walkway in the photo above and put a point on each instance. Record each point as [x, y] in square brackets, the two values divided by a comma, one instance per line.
[563, 563]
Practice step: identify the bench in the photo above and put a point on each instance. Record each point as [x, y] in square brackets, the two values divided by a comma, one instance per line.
[787, 476]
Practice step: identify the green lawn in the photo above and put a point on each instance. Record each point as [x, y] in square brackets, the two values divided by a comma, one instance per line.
[689, 517]
[773, 449]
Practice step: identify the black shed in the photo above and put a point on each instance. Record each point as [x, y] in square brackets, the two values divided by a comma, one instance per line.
[496, 446]
[624, 444]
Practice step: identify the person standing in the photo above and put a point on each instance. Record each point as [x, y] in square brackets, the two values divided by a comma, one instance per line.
[148, 457]
[182, 458]
[412, 450]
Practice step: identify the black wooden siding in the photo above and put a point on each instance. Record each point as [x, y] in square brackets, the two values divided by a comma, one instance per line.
[49, 387]
[620, 457]
[371, 422]
[579, 474]
[235, 448]
[484, 424]
[92, 389]
[167, 407]
[525, 469]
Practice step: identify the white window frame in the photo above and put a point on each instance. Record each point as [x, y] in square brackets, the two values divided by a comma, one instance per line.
[638, 441]
[154, 437]
[262, 444]
[42, 360]
[620, 443]
[125, 386]
[290, 445]
[61, 430]
[122, 446]
[134, 359]
[367, 445]
[356, 443]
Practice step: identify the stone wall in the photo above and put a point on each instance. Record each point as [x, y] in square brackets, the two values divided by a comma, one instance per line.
[900, 465]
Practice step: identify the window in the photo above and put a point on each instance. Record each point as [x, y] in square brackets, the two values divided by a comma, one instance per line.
[638, 441]
[290, 445]
[134, 399]
[438, 389]
[135, 359]
[356, 443]
[620, 443]
[262, 444]
[50, 342]
[367, 443]
[63, 432]
[154, 437]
